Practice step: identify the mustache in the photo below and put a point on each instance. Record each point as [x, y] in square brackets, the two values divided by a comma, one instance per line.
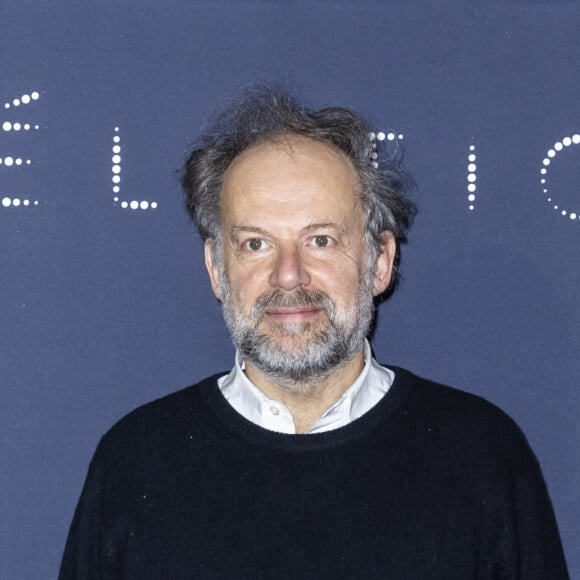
[295, 299]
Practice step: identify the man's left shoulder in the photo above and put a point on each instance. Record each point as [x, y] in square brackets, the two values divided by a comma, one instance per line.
[458, 413]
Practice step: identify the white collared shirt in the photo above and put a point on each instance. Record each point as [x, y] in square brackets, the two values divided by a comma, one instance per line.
[368, 389]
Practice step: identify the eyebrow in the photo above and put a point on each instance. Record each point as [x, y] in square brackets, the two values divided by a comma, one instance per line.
[236, 230]
[322, 226]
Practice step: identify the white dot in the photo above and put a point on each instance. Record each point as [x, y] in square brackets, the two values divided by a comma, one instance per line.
[471, 157]
[542, 181]
[381, 136]
[374, 156]
[546, 161]
[472, 147]
[471, 187]
[471, 208]
[543, 171]
[471, 197]
[116, 189]
[116, 149]
[116, 169]
[134, 204]
[567, 141]
[35, 203]
[116, 179]
[26, 126]
[25, 99]
[116, 159]
[35, 96]
[144, 204]
[18, 161]
[37, 127]
[8, 161]
[6, 105]
[6, 126]
[124, 204]
[154, 204]
[576, 139]
[555, 207]
[558, 146]
[16, 102]
[572, 216]
[551, 153]
[549, 199]
[17, 126]
[6, 201]
[563, 212]
[545, 191]
[472, 177]
[374, 144]
[372, 136]
[26, 202]
[401, 136]
[117, 129]
[375, 164]
[15, 202]
[472, 167]
[28, 162]
[1, 160]
[391, 136]
[116, 139]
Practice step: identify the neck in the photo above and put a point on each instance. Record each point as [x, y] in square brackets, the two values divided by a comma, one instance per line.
[307, 401]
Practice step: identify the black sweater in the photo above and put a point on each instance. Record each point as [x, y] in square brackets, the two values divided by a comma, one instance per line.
[431, 483]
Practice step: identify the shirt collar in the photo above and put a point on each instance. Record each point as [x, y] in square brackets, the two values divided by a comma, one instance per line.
[368, 389]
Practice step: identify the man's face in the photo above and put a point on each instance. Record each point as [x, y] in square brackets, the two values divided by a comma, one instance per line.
[295, 278]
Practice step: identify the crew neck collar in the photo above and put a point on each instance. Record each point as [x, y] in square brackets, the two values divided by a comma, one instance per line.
[254, 434]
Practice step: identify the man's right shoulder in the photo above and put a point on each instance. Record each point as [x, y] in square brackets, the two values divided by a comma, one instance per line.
[173, 412]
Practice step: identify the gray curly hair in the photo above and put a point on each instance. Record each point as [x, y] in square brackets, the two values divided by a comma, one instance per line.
[267, 113]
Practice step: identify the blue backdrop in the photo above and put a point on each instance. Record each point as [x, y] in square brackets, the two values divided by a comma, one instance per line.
[104, 301]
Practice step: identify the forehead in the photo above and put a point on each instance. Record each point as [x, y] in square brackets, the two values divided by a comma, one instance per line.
[290, 174]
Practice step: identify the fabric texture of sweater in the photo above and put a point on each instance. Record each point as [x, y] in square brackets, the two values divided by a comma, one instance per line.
[431, 483]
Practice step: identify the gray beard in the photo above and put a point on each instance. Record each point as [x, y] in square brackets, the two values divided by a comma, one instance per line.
[282, 354]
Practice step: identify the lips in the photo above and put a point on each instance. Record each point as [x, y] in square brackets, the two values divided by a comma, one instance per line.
[292, 309]
[295, 314]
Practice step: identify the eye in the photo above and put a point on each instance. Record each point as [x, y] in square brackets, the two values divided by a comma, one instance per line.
[322, 241]
[254, 244]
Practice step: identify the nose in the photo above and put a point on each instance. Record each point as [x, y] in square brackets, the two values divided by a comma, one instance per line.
[289, 270]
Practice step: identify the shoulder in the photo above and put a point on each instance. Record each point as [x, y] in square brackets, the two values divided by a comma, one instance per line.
[459, 417]
[158, 423]
[444, 399]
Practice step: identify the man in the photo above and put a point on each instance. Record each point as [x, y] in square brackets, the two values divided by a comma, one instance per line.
[309, 459]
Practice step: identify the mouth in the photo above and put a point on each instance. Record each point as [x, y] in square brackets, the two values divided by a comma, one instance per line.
[294, 314]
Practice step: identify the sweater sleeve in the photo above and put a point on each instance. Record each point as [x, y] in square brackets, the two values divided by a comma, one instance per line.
[532, 549]
[96, 542]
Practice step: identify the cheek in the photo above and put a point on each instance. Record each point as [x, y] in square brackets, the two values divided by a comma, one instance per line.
[340, 283]
[247, 285]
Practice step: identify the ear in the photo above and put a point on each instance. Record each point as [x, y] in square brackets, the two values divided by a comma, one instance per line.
[212, 269]
[384, 264]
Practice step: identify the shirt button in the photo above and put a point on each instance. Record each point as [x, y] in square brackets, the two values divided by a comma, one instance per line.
[274, 410]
